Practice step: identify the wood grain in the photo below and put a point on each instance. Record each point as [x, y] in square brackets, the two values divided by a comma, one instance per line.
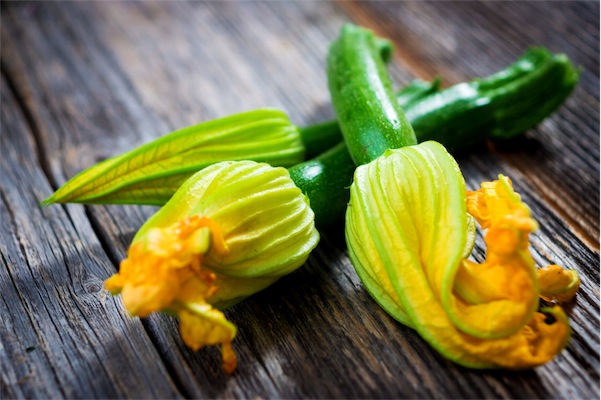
[62, 337]
[83, 81]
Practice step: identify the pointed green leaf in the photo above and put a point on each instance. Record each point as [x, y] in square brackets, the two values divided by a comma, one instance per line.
[151, 173]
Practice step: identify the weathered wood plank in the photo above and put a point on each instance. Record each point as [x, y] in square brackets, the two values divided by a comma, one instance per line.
[99, 79]
[61, 336]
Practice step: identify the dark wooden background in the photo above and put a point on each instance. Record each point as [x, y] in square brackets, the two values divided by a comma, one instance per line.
[82, 81]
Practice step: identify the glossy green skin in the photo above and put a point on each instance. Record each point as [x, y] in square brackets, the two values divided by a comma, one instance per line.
[325, 179]
[321, 136]
[500, 106]
[369, 115]
[327, 134]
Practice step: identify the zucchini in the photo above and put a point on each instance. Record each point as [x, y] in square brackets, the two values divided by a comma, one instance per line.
[500, 106]
[320, 137]
[326, 178]
[370, 118]
[497, 107]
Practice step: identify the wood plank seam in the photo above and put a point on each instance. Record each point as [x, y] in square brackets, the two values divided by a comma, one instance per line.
[30, 120]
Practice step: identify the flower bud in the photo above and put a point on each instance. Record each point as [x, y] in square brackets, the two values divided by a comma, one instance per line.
[229, 231]
[151, 173]
[407, 233]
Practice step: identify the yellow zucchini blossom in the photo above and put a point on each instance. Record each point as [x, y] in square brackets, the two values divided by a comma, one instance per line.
[231, 230]
[407, 233]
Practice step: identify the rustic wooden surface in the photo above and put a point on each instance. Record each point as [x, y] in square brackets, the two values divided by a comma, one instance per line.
[82, 81]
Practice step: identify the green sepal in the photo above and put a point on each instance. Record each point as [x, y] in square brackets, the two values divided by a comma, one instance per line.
[151, 173]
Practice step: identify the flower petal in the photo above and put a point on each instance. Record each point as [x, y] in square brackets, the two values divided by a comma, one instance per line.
[557, 284]
[202, 325]
[165, 265]
[496, 298]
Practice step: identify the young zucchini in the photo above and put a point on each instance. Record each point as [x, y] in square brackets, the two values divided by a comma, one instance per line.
[498, 107]
[363, 98]
[320, 137]
[326, 178]
[502, 105]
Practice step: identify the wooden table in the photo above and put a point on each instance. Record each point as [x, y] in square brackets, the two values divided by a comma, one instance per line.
[82, 81]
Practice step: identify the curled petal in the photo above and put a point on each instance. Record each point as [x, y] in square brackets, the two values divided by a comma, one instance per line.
[534, 344]
[164, 272]
[229, 358]
[496, 298]
[557, 284]
[202, 325]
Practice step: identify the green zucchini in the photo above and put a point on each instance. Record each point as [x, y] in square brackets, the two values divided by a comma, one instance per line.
[498, 107]
[502, 105]
[370, 117]
[320, 137]
[326, 178]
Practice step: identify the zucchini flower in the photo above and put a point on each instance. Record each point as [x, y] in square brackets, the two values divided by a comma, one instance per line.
[231, 230]
[407, 233]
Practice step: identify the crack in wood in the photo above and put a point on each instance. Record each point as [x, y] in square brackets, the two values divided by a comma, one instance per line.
[24, 303]
[30, 121]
